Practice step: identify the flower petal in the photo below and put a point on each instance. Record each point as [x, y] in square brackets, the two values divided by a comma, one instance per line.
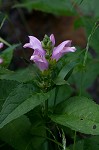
[56, 55]
[62, 49]
[69, 49]
[34, 43]
[39, 60]
[1, 60]
[52, 38]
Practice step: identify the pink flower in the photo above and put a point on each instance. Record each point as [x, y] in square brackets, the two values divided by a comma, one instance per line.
[62, 49]
[39, 60]
[39, 53]
[1, 60]
[1, 45]
[35, 44]
[39, 56]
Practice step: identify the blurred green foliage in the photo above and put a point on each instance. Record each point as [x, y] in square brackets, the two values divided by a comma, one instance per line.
[22, 123]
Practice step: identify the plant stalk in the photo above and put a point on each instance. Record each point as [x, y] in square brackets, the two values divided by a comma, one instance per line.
[46, 109]
[74, 145]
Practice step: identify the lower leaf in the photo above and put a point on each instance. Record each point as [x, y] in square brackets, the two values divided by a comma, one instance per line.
[78, 113]
[23, 99]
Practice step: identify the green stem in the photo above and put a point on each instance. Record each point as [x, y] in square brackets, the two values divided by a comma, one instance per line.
[81, 82]
[3, 22]
[56, 92]
[5, 42]
[96, 25]
[74, 145]
[46, 109]
[63, 140]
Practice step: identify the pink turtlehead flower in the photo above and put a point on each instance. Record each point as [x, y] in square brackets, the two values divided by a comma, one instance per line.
[1, 60]
[1, 45]
[62, 49]
[39, 53]
[39, 60]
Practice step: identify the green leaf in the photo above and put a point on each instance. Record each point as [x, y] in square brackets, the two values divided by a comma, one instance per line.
[6, 87]
[59, 7]
[64, 92]
[90, 8]
[18, 135]
[65, 73]
[7, 55]
[22, 76]
[78, 113]
[91, 143]
[58, 94]
[78, 144]
[83, 78]
[23, 99]
[4, 71]
[39, 136]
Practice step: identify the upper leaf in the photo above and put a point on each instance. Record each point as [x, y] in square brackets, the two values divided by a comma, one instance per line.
[90, 8]
[59, 7]
[64, 73]
[22, 76]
